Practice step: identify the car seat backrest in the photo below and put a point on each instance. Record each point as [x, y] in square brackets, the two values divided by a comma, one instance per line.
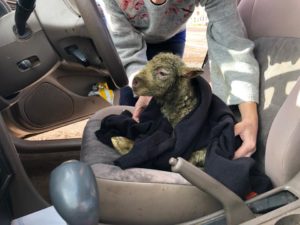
[273, 26]
[271, 18]
[283, 145]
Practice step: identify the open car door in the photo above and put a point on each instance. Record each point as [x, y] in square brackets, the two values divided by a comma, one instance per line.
[62, 51]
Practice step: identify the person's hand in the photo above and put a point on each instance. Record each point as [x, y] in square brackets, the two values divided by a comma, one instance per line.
[247, 129]
[140, 105]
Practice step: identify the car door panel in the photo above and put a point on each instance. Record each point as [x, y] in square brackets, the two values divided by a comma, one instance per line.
[59, 99]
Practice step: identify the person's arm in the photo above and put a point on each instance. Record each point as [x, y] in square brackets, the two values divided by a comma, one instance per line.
[129, 43]
[234, 70]
[130, 46]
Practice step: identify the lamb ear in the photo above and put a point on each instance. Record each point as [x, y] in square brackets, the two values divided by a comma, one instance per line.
[190, 72]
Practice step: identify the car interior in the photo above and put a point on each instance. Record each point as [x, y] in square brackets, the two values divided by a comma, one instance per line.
[47, 66]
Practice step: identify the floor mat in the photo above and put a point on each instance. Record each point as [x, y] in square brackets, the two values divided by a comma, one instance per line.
[39, 167]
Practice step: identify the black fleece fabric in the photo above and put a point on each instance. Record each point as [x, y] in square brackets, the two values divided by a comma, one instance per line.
[209, 125]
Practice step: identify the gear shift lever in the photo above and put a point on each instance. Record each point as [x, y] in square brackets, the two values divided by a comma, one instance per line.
[74, 194]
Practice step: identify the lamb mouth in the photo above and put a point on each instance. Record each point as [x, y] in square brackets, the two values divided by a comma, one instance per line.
[135, 91]
[139, 91]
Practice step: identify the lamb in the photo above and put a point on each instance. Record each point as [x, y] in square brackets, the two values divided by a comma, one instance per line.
[167, 79]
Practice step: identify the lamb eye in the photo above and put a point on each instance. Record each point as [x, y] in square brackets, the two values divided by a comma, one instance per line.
[162, 73]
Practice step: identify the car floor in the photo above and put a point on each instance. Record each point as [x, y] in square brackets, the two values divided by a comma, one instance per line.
[39, 167]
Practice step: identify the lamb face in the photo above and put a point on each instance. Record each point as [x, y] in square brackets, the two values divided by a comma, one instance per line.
[167, 79]
[158, 76]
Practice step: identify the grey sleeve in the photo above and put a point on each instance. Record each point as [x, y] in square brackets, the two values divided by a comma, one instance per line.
[129, 43]
[234, 69]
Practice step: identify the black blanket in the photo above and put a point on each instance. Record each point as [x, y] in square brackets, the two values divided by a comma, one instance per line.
[210, 125]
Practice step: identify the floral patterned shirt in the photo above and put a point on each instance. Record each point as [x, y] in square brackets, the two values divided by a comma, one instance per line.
[134, 23]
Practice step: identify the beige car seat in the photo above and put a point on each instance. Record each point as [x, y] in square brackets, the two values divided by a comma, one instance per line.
[4, 8]
[273, 25]
[143, 196]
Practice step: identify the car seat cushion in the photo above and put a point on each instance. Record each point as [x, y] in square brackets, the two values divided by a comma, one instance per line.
[101, 156]
[90, 145]
[111, 172]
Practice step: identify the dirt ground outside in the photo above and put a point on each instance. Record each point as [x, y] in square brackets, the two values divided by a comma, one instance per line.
[195, 51]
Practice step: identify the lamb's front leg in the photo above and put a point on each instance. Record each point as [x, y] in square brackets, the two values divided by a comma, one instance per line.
[122, 144]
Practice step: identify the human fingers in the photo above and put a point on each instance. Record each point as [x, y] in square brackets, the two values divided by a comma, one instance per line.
[245, 150]
[136, 113]
[140, 105]
[248, 136]
[238, 129]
